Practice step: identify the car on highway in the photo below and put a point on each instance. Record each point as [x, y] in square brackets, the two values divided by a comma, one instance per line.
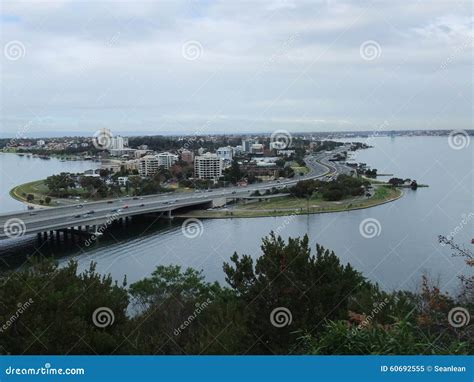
[33, 213]
[110, 202]
[142, 205]
[91, 212]
[135, 198]
[77, 216]
[125, 206]
[79, 206]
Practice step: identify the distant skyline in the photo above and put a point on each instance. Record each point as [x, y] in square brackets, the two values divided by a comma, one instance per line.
[186, 67]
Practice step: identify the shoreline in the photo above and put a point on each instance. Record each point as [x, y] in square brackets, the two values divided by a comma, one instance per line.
[246, 214]
[330, 207]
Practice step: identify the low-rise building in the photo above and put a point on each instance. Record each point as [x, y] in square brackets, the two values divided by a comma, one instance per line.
[122, 180]
[257, 148]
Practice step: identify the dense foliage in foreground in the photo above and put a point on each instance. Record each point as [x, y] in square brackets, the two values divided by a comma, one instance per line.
[288, 301]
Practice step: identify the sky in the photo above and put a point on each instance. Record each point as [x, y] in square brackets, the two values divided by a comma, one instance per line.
[235, 66]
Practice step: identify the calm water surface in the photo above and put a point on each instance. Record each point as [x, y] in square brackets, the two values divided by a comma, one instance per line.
[405, 249]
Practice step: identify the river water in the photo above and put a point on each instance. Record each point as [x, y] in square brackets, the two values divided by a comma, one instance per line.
[404, 248]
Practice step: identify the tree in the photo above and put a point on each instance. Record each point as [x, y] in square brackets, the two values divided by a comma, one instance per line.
[47, 200]
[396, 181]
[234, 174]
[57, 311]
[135, 183]
[287, 276]
[181, 305]
[94, 185]
[59, 184]
[30, 197]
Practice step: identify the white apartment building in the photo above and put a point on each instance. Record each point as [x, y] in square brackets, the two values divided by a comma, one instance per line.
[148, 165]
[225, 153]
[117, 143]
[166, 160]
[208, 166]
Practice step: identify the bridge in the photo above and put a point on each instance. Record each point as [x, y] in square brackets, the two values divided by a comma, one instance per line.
[87, 217]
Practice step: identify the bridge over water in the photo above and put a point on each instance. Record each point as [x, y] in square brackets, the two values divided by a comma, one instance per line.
[89, 216]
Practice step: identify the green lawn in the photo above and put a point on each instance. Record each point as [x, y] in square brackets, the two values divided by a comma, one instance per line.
[287, 205]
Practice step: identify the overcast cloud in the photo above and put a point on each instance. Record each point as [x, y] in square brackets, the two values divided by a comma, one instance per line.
[230, 66]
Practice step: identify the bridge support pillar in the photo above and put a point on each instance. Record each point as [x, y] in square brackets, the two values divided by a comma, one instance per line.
[169, 215]
[57, 235]
[45, 235]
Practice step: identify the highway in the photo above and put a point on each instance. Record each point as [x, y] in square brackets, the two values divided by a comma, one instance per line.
[17, 224]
